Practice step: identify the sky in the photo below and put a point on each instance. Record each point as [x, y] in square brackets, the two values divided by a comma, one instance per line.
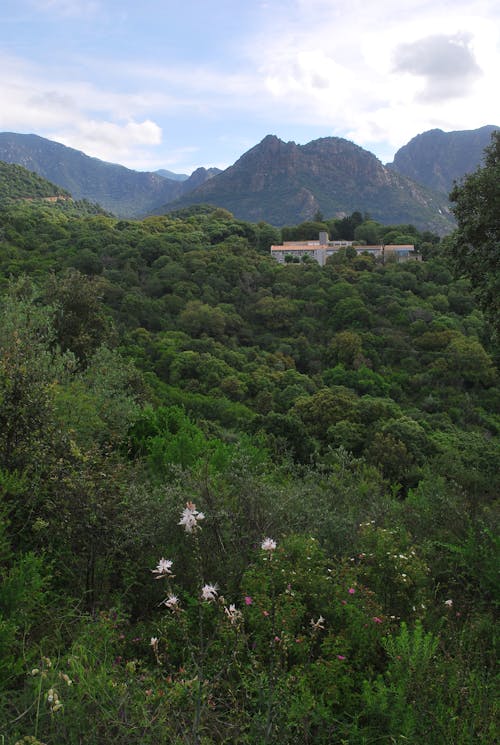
[178, 84]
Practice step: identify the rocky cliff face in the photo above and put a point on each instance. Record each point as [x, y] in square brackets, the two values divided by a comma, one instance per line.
[436, 159]
[284, 183]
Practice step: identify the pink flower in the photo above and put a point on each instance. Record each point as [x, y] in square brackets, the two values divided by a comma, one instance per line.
[344, 602]
[268, 544]
[248, 600]
[265, 613]
[376, 619]
[340, 657]
[351, 591]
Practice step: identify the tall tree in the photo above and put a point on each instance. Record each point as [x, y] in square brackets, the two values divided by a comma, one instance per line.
[475, 245]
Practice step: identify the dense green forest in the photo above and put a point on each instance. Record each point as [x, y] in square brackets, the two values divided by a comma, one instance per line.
[243, 502]
[18, 183]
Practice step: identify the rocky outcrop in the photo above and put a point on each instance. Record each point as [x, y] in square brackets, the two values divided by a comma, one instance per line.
[436, 159]
[285, 183]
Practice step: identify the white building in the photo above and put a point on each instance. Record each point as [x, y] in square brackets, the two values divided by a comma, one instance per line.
[321, 249]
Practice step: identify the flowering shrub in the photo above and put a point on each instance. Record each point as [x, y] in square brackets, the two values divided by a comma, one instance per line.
[390, 565]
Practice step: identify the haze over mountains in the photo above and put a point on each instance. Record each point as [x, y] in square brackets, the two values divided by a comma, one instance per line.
[277, 182]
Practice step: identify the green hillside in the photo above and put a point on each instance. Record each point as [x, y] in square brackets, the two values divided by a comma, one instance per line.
[17, 182]
[242, 502]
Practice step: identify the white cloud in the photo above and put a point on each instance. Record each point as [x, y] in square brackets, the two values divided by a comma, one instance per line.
[77, 114]
[102, 138]
[334, 65]
[446, 63]
[377, 73]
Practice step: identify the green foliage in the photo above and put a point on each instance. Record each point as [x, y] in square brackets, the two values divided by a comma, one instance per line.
[349, 411]
[407, 680]
[474, 246]
[17, 182]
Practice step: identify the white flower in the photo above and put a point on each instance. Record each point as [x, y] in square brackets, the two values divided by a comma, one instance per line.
[233, 614]
[449, 603]
[319, 624]
[268, 544]
[209, 592]
[163, 568]
[190, 517]
[154, 642]
[172, 602]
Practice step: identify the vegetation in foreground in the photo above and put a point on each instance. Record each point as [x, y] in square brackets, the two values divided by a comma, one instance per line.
[242, 502]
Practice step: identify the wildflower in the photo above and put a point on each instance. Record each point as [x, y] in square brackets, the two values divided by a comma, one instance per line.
[53, 700]
[154, 642]
[66, 678]
[265, 613]
[268, 544]
[163, 568]
[319, 624]
[340, 657]
[209, 592]
[233, 613]
[351, 591]
[448, 603]
[376, 619]
[190, 517]
[248, 600]
[172, 602]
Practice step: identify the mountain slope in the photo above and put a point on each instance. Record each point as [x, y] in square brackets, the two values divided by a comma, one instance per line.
[17, 182]
[284, 183]
[436, 159]
[120, 190]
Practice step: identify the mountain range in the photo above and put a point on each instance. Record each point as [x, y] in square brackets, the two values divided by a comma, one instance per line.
[284, 183]
[275, 181]
[437, 159]
[120, 190]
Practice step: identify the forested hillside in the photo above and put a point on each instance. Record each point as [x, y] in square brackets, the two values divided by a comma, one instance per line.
[242, 502]
[17, 182]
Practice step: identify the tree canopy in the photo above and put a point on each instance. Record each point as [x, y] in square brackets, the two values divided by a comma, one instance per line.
[475, 246]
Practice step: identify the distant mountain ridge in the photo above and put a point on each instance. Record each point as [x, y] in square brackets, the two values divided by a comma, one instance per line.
[120, 190]
[275, 181]
[285, 183]
[436, 159]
